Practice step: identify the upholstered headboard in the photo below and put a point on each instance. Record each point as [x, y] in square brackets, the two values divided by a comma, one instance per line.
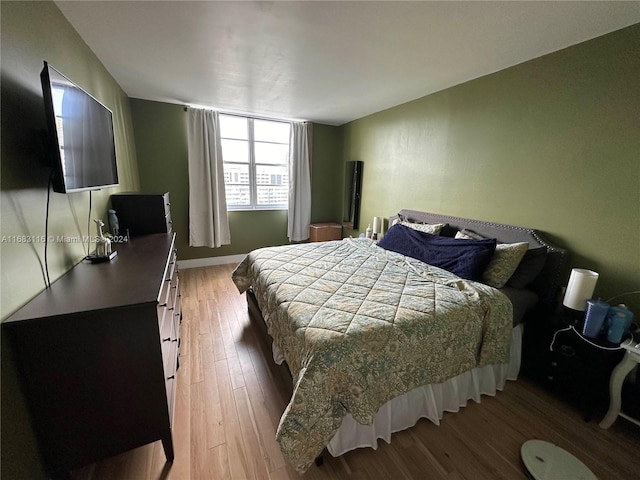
[547, 284]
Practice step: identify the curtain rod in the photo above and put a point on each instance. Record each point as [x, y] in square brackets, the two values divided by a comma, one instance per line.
[248, 115]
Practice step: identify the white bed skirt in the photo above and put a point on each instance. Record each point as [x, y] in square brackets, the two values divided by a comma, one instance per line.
[429, 401]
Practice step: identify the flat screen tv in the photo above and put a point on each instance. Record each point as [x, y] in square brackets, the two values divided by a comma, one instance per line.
[80, 134]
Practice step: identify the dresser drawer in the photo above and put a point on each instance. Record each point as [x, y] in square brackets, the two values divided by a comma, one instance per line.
[170, 363]
[165, 299]
[170, 327]
[172, 271]
[163, 328]
[175, 293]
[170, 385]
[167, 293]
[165, 323]
[168, 222]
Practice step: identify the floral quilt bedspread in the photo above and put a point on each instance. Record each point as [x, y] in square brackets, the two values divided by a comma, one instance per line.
[359, 325]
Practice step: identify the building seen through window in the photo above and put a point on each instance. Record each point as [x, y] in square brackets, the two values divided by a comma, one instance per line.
[256, 162]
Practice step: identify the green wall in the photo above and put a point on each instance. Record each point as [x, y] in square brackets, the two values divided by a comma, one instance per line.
[553, 143]
[31, 33]
[161, 145]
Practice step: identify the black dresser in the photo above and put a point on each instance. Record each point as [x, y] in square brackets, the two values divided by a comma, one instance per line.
[97, 354]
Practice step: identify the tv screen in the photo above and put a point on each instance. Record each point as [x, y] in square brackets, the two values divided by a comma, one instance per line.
[81, 135]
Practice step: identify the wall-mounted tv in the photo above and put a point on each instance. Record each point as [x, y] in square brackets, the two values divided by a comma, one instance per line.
[81, 135]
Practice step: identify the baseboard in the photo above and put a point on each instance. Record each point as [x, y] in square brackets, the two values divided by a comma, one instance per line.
[209, 261]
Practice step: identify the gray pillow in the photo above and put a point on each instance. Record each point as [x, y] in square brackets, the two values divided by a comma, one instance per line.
[530, 267]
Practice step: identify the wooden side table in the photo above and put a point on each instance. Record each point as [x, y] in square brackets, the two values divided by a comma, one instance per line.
[325, 231]
[629, 361]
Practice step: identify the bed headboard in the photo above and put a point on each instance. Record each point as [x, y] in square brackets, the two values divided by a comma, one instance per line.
[547, 284]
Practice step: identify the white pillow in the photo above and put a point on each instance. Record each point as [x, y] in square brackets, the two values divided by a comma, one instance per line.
[504, 262]
[432, 228]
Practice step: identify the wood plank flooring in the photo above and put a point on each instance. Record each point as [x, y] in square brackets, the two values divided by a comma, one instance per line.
[229, 400]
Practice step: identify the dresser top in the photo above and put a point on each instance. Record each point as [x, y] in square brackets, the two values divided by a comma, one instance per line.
[133, 277]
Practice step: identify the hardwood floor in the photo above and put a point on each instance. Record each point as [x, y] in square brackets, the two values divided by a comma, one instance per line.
[229, 400]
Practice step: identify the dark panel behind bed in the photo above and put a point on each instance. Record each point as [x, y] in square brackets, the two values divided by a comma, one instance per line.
[547, 284]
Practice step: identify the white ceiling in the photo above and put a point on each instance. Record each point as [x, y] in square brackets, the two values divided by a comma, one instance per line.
[327, 62]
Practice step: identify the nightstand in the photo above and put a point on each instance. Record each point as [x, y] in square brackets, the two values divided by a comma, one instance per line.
[576, 367]
[325, 231]
[580, 368]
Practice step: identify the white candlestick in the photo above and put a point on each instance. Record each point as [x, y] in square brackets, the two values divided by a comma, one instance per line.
[377, 225]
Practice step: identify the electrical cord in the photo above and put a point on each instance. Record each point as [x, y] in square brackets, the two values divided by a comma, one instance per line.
[571, 327]
[553, 340]
[634, 292]
[89, 228]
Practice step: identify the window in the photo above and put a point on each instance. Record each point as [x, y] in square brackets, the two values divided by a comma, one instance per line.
[256, 162]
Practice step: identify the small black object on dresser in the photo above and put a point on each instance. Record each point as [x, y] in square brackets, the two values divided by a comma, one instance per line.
[142, 213]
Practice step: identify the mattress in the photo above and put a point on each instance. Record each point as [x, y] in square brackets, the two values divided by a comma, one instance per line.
[359, 326]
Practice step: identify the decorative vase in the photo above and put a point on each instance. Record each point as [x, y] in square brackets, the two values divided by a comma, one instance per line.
[114, 224]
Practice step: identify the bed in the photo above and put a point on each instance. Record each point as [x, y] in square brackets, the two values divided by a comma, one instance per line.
[374, 338]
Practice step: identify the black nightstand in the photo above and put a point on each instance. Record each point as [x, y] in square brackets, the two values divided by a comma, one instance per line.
[576, 367]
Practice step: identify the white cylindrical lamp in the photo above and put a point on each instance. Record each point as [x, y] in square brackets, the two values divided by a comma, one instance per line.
[582, 283]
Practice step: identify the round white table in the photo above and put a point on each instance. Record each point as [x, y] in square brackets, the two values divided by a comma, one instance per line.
[546, 461]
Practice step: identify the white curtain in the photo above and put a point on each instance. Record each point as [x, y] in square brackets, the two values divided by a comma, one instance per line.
[208, 222]
[300, 182]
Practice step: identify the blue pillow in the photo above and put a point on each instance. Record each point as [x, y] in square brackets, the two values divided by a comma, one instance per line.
[465, 258]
